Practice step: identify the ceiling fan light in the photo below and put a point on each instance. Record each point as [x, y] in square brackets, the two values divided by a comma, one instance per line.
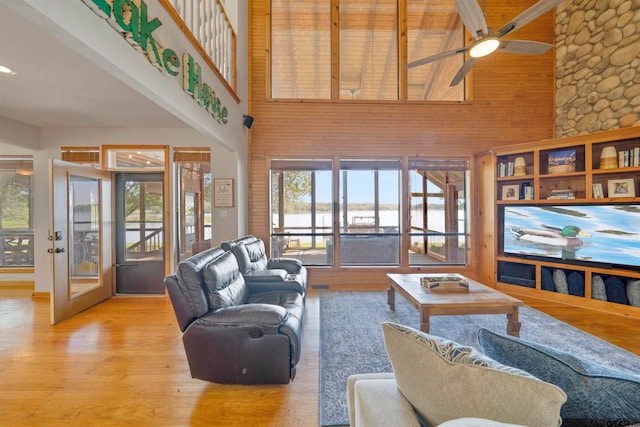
[484, 47]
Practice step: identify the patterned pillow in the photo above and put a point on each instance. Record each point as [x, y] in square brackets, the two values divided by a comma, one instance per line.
[596, 395]
[444, 380]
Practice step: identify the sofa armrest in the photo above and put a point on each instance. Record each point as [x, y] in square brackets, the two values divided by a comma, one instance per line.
[376, 401]
[274, 280]
[291, 265]
[271, 275]
[264, 316]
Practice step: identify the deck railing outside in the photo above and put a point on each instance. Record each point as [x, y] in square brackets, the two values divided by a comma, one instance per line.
[209, 24]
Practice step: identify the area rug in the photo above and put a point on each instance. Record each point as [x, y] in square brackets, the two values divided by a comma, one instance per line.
[351, 340]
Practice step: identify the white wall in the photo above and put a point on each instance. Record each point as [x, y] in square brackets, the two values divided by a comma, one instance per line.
[83, 30]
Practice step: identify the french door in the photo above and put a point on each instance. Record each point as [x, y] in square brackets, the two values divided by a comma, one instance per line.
[80, 238]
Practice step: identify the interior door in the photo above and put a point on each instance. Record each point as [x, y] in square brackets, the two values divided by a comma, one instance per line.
[140, 233]
[80, 238]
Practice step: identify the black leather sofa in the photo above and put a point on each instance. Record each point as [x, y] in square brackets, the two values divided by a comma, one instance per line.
[261, 272]
[233, 332]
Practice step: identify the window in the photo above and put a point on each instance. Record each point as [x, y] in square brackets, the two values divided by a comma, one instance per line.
[369, 229]
[132, 158]
[438, 211]
[16, 216]
[369, 212]
[367, 42]
[301, 49]
[193, 198]
[369, 50]
[301, 210]
[432, 28]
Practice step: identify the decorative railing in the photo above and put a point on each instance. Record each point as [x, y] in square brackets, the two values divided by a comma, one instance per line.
[209, 25]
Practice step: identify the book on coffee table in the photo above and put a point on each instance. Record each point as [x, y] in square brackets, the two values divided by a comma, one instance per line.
[445, 283]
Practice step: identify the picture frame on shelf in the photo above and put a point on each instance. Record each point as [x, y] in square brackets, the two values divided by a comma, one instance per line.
[511, 192]
[562, 161]
[621, 187]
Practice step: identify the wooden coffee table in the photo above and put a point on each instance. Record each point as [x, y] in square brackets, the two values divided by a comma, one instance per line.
[480, 299]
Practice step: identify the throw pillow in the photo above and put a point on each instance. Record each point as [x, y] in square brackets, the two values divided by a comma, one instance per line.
[596, 395]
[633, 292]
[560, 281]
[575, 282]
[547, 280]
[444, 380]
[597, 288]
[476, 422]
[616, 291]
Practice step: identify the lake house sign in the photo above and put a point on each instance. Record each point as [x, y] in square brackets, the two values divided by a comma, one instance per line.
[130, 18]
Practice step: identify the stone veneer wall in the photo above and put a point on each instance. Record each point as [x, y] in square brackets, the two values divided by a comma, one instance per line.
[597, 66]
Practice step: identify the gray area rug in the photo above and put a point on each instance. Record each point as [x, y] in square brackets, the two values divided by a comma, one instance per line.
[351, 340]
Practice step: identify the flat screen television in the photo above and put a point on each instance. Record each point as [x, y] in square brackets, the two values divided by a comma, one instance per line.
[601, 235]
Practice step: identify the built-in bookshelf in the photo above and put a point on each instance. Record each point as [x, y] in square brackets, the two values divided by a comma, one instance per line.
[601, 169]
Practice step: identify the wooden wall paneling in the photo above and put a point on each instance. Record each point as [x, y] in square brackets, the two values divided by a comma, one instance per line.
[512, 102]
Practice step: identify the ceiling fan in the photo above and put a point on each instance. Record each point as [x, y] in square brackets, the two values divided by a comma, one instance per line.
[486, 41]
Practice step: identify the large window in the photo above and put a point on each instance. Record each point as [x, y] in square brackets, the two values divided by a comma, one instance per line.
[369, 212]
[369, 49]
[438, 212]
[301, 49]
[368, 229]
[301, 210]
[356, 50]
[16, 213]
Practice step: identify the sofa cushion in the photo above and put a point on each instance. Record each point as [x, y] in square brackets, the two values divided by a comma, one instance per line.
[191, 279]
[228, 244]
[595, 394]
[251, 256]
[444, 380]
[224, 284]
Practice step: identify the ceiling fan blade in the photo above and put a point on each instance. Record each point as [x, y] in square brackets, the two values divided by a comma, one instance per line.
[528, 15]
[466, 67]
[472, 17]
[437, 57]
[524, 47]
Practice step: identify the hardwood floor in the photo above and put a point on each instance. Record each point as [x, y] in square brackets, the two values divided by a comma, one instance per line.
[122, 363]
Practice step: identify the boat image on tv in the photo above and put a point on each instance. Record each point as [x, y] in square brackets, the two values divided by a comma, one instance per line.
[608, 235]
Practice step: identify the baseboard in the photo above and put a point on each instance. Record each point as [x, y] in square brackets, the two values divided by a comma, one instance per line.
[41, 295]
[25, 284]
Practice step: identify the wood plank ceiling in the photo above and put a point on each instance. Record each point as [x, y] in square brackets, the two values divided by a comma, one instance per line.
[368, 49]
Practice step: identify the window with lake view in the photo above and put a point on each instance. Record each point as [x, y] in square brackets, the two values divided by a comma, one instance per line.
[366, 224]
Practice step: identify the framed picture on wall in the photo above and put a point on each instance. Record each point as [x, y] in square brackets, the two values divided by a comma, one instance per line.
[223, 192]
[621, 188]
[510, 192]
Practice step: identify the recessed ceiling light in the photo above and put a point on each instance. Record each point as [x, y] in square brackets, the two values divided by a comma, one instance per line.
[6, 70]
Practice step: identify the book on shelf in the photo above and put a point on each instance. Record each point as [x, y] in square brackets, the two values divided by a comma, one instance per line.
[526, 191]
[629, 158]
[596, 191]
[561, 194]
[505, 169]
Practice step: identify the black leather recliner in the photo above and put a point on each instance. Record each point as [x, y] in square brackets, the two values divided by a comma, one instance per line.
[263, 273]
[234, 334]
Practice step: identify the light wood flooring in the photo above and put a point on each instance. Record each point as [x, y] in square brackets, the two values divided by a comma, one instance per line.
[122, 363]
